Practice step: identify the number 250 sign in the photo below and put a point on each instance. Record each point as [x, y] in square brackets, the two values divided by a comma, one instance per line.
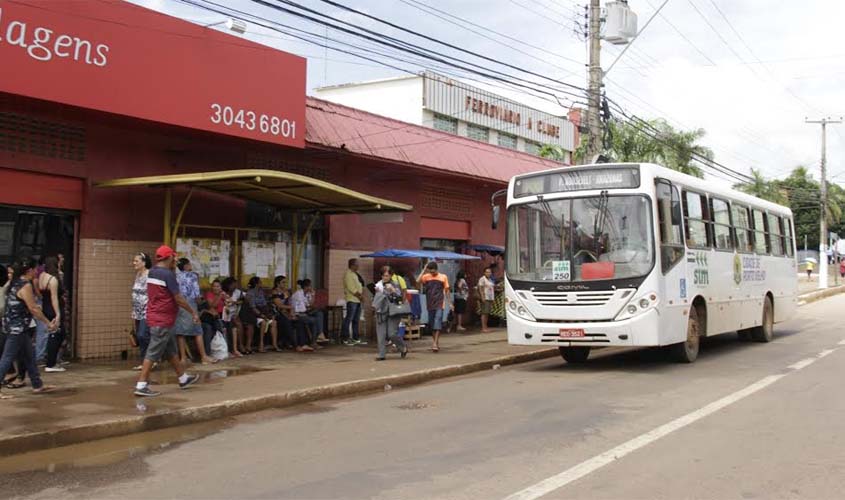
[560, 270]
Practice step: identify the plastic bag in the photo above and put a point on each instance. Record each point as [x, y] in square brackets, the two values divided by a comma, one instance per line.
[219, 347]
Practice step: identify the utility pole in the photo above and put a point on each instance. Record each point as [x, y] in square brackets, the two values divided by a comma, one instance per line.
[594, 87]
[823, 225]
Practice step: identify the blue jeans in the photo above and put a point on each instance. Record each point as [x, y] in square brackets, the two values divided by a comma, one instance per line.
[41, 337]
[353, 314]
[21, 344]
[142, 333]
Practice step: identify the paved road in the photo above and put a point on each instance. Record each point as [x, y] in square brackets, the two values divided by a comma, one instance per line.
[745, 421]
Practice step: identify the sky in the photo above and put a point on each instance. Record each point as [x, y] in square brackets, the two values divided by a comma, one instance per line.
[748, 72]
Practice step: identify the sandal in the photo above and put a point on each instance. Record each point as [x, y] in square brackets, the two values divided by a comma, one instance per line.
[16, 384]
[6, 396]
[43, 389]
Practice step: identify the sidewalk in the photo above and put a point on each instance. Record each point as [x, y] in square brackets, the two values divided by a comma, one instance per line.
[95, 400]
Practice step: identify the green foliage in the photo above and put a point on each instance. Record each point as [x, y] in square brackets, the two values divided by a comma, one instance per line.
[673, 149]
[802, 194]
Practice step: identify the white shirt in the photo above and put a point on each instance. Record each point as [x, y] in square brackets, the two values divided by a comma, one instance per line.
[299, 302]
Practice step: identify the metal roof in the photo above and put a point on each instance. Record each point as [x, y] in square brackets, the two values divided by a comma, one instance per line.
[374, 136]
[279, 189]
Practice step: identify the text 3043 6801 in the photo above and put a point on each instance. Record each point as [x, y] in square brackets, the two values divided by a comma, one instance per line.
[249, 120]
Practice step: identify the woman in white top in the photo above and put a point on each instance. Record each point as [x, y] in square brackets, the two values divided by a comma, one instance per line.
[141, 263]
[231, 315]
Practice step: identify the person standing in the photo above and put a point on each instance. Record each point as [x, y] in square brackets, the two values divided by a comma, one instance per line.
[810, 267]
[20, 310]
[387, 326]
[189, 287]
[353, 292]
[486, 294]
[141, 263]
[52, 294]
[435, 286]
[461, 297]
[164, 301]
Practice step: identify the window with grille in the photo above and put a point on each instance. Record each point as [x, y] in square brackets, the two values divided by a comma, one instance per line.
[507, 140]
[445, 123]
[446, 201]
[20, 133]
[478, 133]
[722, 225]
[533, 148]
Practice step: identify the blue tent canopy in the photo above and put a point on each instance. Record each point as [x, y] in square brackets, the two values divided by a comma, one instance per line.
[397, 253]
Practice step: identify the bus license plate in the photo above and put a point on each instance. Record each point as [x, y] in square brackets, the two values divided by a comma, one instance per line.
[567, 333]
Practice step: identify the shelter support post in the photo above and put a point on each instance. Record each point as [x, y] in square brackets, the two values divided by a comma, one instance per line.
[168, 195]
[175, 232]
[299, 245]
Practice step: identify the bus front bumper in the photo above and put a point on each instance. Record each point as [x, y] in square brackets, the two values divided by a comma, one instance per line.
[641, 330]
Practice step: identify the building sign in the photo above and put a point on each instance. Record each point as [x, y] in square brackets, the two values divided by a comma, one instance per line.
[117, 57]
[470, 104]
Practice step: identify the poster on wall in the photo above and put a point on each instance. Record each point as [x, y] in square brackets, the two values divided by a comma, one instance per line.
[265, 259]
[209, 257]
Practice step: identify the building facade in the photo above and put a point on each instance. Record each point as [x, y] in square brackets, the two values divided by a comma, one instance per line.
[435, 101]
[150, 110]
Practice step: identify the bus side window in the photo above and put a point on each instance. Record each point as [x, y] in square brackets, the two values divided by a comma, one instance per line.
[776, 235]
[669, 220]
[697, 220]
[721, 224]
[761, 232]
[790, 240]
[742, 229]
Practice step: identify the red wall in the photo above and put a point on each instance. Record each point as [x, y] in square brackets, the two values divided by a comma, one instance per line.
[123, 147]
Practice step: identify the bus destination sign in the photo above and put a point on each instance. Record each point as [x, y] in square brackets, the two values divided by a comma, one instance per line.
[578, 180]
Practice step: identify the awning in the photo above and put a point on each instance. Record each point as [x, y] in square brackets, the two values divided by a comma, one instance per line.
[397, 253]
[493, 250]
[278, 189]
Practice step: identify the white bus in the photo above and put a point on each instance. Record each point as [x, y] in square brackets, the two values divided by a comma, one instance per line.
[640, 255]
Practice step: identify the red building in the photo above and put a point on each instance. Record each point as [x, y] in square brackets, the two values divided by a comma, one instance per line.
[117, 91]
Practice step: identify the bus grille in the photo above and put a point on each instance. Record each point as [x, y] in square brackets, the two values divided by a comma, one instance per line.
[573, 298]
[588, 338]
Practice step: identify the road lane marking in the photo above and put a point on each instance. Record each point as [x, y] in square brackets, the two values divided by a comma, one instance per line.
[586, 467]
[803, 363]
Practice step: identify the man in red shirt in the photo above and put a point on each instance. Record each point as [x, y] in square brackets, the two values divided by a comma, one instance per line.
[163, 302]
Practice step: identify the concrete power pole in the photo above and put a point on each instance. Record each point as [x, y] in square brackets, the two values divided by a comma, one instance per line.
[594, 87]
[823, 225]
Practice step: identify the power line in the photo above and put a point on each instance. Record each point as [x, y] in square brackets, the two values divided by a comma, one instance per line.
[538, 13]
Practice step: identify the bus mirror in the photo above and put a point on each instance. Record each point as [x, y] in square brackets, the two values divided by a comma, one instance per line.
[496, 210]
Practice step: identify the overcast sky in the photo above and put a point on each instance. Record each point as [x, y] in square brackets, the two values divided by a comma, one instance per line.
[749, 78]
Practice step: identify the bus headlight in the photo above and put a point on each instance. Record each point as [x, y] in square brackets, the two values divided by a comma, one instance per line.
[639, 305]
[519, 310]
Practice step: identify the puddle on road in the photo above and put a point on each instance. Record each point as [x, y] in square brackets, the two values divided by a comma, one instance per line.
[165, 376]
[414, 405]
[107, 451]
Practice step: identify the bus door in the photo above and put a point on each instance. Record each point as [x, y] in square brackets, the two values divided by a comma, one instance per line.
[673, 267]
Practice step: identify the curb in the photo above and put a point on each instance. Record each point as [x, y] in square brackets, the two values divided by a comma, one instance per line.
[120, 427]
[809, 298]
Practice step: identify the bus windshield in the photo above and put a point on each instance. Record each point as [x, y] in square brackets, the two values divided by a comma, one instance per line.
[580, 239]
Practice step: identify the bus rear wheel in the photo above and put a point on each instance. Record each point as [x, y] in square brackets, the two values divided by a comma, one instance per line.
[575, 354]
[765, 332]
[687, 351]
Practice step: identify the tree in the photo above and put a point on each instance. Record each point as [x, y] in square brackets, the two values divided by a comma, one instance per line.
[658, 143]
[760, 187]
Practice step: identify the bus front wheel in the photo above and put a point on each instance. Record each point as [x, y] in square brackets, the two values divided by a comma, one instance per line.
[575, 354]
[765, 332]
[687, 351]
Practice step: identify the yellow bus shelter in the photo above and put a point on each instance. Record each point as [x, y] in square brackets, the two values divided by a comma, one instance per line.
[282, 190]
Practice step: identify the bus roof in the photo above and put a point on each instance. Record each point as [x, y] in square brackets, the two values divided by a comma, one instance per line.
[684, 180]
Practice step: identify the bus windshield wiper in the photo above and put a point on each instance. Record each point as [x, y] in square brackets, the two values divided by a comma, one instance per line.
[556, 228]
[601, 220]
